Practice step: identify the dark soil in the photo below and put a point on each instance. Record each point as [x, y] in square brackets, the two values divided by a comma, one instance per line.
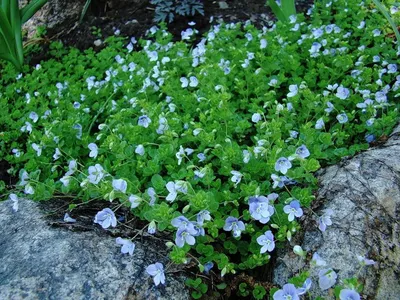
[136, 20]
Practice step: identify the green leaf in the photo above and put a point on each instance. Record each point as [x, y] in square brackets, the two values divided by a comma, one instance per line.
[158, 182]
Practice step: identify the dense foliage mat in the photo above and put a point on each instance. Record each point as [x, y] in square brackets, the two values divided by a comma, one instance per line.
[217, 142]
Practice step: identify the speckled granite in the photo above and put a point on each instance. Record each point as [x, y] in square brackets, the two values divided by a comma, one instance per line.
[42, 262]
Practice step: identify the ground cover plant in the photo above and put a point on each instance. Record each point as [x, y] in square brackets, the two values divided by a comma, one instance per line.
[216, 143]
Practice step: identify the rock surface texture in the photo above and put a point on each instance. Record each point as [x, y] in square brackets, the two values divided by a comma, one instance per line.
[42, 262]
[364, 193]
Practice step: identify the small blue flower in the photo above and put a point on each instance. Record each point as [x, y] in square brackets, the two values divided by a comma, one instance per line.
[266, 241]
[347, 294]
[182, 222]
[260, 209]
[208, 266]
[152, 227]
[342, 93]
[185, 235]
[342, 118]
[370, 138]
[157, 272]
[201, 157]
[302, 151]
[293, 209]
[288, 291]
[202, 216]
[283, 165]
[325, 220]
[306, 286]
[106, 218]
[365, 261]
[319, 124]
[144, 121]
[327, 278]
[234, 225]
[127, 245]
[317, 260]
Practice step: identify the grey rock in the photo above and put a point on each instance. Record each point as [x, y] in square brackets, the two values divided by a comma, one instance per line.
[364, 193]
[43, 262]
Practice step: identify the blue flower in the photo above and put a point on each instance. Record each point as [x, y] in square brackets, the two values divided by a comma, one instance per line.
[266, 241]
[201, 157]
[67, 218]
[93, 150]
[203, 215]
[342, 118]
[119, 185]
[185, 235]
[106, 218]
[306, 286]
[234, 225]
[152, 227]
[260, 209]
[325, 220]
[283, 165]
[365, 261]
[327, 278]
[127, 245]
[342, 93]
[302, 151]
[370, 138]
[317, 260]
[293, 209]
[288, 291]
[157, 272]
[347, 294]
[144, 121]
[182, 222]
[319, 124]
[208, 266]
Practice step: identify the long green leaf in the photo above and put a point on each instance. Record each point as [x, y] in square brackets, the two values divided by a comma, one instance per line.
[17, 30]
[388, 17]
[84, 10]
[277, 11]
[30, 9]
[288, 8]
[5, 5]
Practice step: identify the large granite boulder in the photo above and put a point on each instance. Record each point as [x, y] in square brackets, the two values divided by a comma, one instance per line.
[39, 261]
[364, 194]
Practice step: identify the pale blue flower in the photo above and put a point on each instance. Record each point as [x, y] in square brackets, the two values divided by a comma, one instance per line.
[68, 219]
[293, 210]
[185, 235]
[127, 245]
[172, 191]
[201, 157]
[35, 117]
[288, 292]
[180, 155]
[326, 278]
[56, 154]
[153, 195]
[302, 151]
[152, 228]
[319, 124]
[305, 287]
[96, 173]
[293, 90]
[256, 117]
[260, 208]
[330, 107]
[140, 150]
[317, 260]
[246, 156]
[157, 272]
[283, 165]
[93, 150]
[342, 93]
[237, 177]
[14, 199]
[37, 148]
[181, 222]
[266, 241]
[119, 185]
[234, 225]
[376, 32]
[208, 266]
[347, 294]
[105, 218]
[325, 220]
[342, 118]
[263, 44]
[365, 261]
[135, 201]
[202, 216]
[144, 121]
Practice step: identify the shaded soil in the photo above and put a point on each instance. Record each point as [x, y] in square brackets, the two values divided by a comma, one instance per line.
[136, 20]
